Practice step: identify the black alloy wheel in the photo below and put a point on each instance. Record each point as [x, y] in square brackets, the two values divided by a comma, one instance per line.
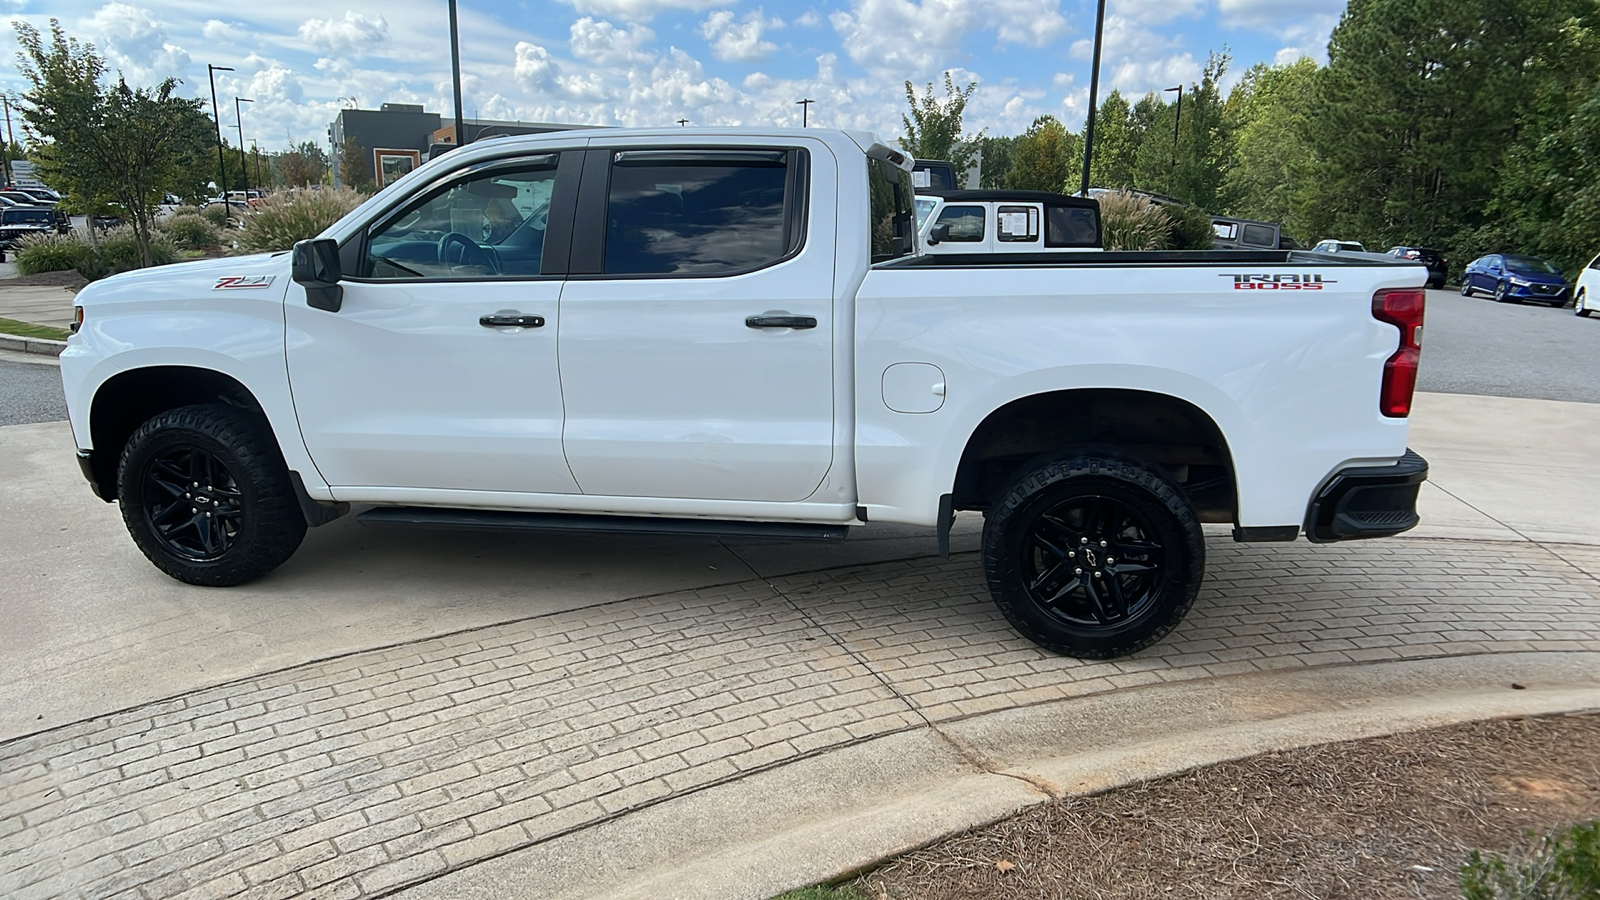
[192, 503]
[206, 495]
[1095, 556]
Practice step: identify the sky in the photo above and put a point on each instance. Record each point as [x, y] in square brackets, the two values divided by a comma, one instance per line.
[654, 62]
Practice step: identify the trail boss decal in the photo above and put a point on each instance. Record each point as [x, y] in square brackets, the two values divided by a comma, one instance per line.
[243, 282]
[1286, 282]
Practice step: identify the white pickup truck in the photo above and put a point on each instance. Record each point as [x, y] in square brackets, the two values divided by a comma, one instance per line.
[730, 331]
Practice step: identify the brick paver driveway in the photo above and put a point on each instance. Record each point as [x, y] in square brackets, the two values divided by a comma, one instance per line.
[359, 775]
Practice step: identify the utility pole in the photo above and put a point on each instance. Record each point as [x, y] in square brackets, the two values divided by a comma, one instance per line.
[244, 165]
[1176, 118]
[805, 109]
[455, 75]
[255, 150]
[1094, 97]
[6, 99]
[222, 164]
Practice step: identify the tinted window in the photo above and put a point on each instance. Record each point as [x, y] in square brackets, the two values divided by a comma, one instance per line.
[1017, 223]
[1530, 264]
[939, 178]
[966, 223]
[486, 225]
[711, 213]
[1071, 226]
[1260, 236]
[44, 216]
[890, 220]
[1595, 263]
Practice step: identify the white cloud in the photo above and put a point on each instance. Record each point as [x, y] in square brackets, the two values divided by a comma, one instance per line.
[808, 19]
[221, 32]
[276, 82]
[917, 38]
[1287, 55]
[136, 44]
[355, 35]
[1140, 76]
[534, 69]
[739, 41]
[638, 10]
[605, 44]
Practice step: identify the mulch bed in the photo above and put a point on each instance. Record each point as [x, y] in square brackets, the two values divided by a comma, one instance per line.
[1391, 817]
[68, 279]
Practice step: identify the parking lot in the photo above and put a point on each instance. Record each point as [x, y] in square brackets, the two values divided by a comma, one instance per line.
[451, 714]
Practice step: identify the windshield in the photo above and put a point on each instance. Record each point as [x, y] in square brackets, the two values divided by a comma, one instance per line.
[1530, 264]
[925, 206]
[29, 215]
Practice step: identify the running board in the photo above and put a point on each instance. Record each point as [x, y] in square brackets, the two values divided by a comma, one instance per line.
[495, 520]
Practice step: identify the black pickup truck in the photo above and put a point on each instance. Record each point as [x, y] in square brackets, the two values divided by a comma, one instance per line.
[20, 221]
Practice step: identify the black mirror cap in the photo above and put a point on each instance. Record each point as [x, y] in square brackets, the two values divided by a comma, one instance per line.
[938, 233]
[315, 267]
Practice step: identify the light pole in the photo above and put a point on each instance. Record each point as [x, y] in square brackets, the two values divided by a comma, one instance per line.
[244, 166]
[1177, 117]
[1094, 97]
[684, 122]
[455, 75]
[222, 165]
[6, 99]
[255, 150]
[805, 109]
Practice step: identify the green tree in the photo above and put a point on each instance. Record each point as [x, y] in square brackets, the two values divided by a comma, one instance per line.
[1115, 143]
[303, 164]
[355, 166]
[996, 154]
[933, 129]
[102, 142]
[1192, 167]
[1044, 157]
[1272, 153]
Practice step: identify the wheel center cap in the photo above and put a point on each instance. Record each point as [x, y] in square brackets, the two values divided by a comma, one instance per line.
[201, 498]
[1088, 557]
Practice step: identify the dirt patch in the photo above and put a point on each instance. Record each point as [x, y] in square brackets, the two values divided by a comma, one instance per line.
[1390, 817]
[68, 279]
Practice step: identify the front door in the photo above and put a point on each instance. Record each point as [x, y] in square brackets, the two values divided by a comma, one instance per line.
[439, 372]
[697, 351]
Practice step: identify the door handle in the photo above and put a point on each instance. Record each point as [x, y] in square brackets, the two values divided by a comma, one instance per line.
[780, 322]
[504, 320]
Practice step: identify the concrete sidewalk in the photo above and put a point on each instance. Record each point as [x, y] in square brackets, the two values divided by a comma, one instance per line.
[37, 304]
[445, 716]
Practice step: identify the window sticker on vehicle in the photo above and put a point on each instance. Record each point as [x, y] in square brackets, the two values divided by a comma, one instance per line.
[243, 282]
[1287, 281]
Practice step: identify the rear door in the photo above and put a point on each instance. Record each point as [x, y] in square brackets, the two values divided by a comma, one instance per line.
[697, 322]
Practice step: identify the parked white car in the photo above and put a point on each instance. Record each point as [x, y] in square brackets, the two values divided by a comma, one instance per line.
[730, 331]
[1332, 246]
[1586, 293]
[1007, 222]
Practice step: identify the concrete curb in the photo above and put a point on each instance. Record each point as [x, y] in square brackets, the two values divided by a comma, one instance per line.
[40, 346]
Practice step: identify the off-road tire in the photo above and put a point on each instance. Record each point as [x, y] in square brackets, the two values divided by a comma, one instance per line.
[249, 488]
[1046, 511]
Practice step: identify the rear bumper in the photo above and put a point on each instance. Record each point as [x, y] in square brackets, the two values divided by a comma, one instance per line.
[1367, 502]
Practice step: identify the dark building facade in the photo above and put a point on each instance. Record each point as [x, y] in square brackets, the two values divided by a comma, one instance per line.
[395, 138]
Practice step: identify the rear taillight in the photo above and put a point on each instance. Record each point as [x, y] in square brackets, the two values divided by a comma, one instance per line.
[1403, 310]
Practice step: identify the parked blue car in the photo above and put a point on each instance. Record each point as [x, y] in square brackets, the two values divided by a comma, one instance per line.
[1515, 278]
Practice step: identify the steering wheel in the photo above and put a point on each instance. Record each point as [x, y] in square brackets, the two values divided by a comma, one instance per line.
[471, 253]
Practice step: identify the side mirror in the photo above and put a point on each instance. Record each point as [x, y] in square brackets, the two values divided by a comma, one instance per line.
[316, 268]
[938, 233]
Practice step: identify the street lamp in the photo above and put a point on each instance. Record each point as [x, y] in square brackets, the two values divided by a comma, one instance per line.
[222, 165]
[1176, 118]
[244, 167]
[805, 108]
[6, 99]
[1094, 97]
[455, 75]
[684, 123]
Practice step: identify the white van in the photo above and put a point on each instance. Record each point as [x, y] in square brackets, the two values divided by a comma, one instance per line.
[1006, 222]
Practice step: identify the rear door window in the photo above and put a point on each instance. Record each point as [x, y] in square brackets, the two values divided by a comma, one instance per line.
[702, 213]
[1017, 224]
[891, 219]
[1260, 236]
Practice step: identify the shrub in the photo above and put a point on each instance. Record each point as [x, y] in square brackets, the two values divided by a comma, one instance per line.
[1131, 222]
[295, 214]
[1191, 228]
[119, 252]
[37, 253]
[1564, 866]
[216, 214]
[191, 232]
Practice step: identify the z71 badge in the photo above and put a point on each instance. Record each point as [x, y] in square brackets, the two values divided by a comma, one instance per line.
[243, 282]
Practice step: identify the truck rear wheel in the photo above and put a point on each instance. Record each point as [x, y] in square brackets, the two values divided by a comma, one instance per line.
[206, 496]
[1096, 556]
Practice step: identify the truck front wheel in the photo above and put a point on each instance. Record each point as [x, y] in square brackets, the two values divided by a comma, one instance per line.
[1096, 556]
[207, 497]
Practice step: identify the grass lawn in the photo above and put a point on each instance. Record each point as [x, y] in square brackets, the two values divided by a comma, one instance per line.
[23, 329]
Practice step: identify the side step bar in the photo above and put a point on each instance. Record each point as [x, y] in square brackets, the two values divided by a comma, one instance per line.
[494, 520]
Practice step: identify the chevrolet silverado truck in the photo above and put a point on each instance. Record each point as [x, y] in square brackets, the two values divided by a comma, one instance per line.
[730, 331]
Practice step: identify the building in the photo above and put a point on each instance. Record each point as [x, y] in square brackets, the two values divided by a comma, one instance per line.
[395, 138]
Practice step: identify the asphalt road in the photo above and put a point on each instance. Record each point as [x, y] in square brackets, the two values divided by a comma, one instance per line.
[1473, 345]
[1470, 346]
[30, 392]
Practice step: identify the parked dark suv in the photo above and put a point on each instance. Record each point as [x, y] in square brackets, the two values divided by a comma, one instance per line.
[24, 220]
[1437, 265]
